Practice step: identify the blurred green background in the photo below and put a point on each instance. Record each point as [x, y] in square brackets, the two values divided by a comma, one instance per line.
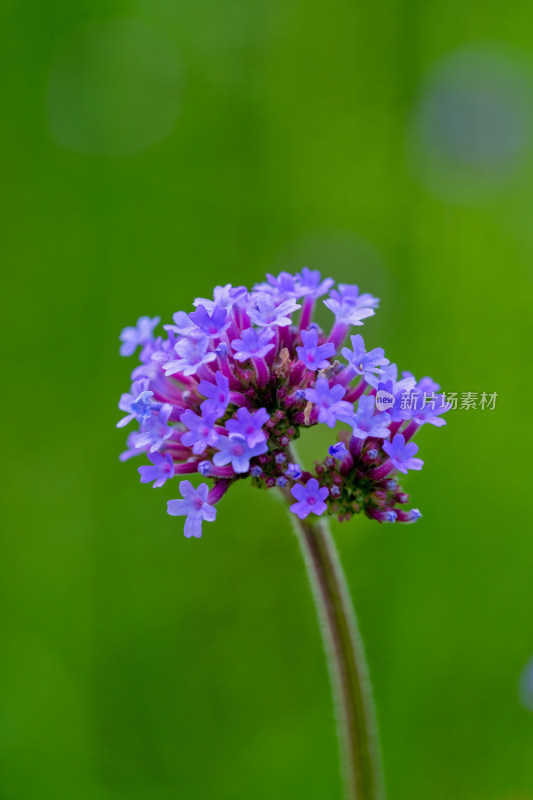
[152, 149]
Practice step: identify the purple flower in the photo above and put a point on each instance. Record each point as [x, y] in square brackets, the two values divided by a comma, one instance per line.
[349, 293]
[313, 355]
[349, 307]
[338, 450]
[249, 425]
[138, 393]
[158, 351]
[155, 430]
[402, 454]
[310, 283]
[331, 407]
[366, 423]
[192, 355]
[387, 515]
[143, 406]
[201, 433]
[194, 506]
[222, 350]
[425, 385]
[253, 344]
[431, 411]
[364, 362]
[223, 296]
[347, 313]
[210, 323]
[162, 470]
[390, 373]
[234, 450]
[264, 312]
[132, 450]
[183, 326]
[393, 404]
[142, 333]
[151, 348]
[218, 395]
[293, 471]
[310, 499]
[285, 284]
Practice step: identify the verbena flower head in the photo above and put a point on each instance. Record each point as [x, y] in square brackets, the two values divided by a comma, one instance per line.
[229, 385]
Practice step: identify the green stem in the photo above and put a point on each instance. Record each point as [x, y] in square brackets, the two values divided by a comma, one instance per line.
[357, 729]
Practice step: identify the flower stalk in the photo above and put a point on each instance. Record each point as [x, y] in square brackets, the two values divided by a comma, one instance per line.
[356, 721]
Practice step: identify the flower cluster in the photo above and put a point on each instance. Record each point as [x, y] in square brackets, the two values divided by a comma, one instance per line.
[232, 383]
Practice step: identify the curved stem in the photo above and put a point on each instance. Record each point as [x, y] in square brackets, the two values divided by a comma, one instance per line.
[357, 729]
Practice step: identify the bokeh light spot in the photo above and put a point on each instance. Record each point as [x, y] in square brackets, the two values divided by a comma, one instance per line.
[526, 685]
[472, 123]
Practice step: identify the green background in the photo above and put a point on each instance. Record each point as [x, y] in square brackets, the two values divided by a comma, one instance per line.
[152, 149]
